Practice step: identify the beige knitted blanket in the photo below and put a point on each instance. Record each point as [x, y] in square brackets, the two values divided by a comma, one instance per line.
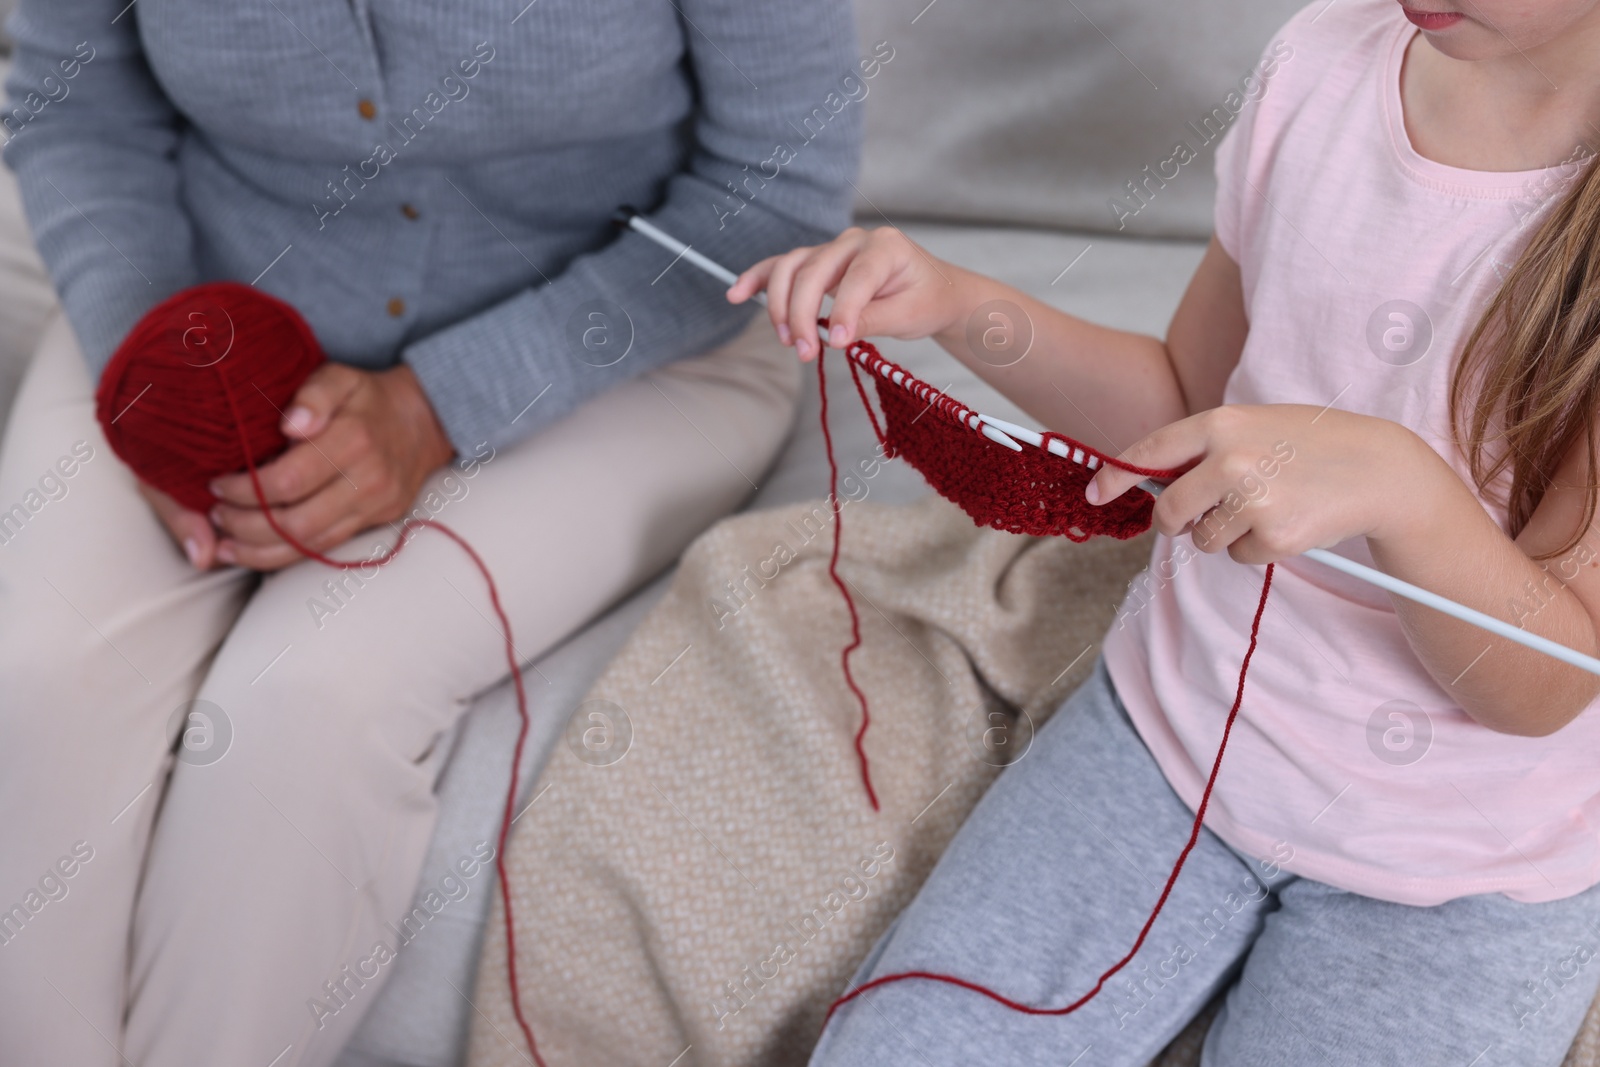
[700, 873]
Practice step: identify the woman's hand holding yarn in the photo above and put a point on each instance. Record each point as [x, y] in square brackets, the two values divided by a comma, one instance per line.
[363, 442]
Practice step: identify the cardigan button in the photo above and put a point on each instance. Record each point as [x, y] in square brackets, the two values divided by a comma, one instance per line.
[396, 307]
[367, 108]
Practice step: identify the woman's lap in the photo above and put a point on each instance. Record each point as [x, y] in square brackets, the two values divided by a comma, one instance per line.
[89, 680]
[304, 838]
[1050, 880]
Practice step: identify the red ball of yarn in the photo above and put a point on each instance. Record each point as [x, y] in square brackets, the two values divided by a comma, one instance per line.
[201, 384]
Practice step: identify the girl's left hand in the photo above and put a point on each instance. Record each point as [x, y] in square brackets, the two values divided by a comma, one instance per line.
[1268, 482]
[361, 445]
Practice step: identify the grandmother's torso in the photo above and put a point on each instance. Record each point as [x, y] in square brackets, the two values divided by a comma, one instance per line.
[299, 78]
[391, 167]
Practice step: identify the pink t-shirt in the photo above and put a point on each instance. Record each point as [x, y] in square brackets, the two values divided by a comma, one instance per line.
[1364, 266]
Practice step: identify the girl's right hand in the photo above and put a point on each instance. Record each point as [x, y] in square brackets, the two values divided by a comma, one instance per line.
[883, 285]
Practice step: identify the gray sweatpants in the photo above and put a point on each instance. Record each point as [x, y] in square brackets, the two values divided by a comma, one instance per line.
[1051, 878]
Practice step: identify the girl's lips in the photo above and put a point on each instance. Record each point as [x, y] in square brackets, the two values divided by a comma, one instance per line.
[1433, 20]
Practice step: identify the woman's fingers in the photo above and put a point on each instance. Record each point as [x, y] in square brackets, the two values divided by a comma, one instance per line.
[304, 468]
[279, 554]
[321, 491]
[1185, 503]
[258, 557]
[312, 522]
[329, 472]
[1210, 525]
[301, 471]
[317, 400]
[247, 526]
[189, 528]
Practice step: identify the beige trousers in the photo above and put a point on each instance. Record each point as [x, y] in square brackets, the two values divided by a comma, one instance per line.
[166, 912]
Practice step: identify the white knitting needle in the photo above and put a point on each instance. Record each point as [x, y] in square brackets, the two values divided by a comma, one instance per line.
[1036, 439]
[1003, 432]
[1358, 570]
[627, 216]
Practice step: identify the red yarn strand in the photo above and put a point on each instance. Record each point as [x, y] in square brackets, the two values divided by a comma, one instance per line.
[872, 416]
[1166, 891]
[844, 591]
[1033, 492]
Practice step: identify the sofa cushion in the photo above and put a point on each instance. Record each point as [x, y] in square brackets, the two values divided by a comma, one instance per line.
[1022, 111]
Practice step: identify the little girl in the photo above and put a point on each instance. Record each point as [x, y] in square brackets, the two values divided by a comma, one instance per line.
[1391, 348]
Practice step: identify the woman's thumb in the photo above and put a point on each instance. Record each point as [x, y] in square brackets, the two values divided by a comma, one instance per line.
[317, 399]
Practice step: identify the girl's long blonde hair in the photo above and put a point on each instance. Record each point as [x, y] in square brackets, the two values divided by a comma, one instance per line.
[1527, 387]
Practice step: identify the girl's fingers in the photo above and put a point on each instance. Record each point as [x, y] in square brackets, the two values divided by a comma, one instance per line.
[815, 278]
[1187, 503]
[1173, 446]
[1247, 546]
[751, 281]
[1212, 530]
[863, 280]
[778, 283]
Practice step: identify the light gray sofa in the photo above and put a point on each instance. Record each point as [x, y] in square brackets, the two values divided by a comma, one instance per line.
[999, 135]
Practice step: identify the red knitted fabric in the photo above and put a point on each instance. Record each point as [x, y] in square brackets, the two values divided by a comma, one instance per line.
[197, 390]
[1032, 492]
